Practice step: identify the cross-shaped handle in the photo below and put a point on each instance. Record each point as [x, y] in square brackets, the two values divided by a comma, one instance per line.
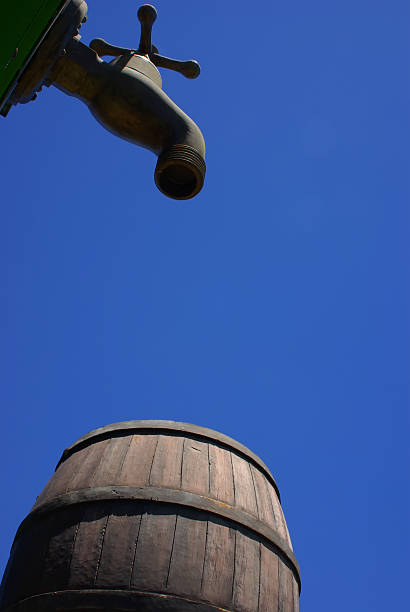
[147, 15]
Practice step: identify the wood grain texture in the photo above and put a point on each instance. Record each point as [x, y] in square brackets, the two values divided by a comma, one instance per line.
[187, 558]
[108, 469]
[154, 548]
[118, 551]
[246, 578]
[245, 497]
[137, 464]
[62, 534]
[195, 467]
[285, 527]
[23, 573]
[269, 580]
[83, 473]
[221, 486]
[60, 481]
[285, 603]
[218, 568]
[186, 430]
[109, 600]
[166, 466]
[277, 512]
[87, 548]
[264, 504]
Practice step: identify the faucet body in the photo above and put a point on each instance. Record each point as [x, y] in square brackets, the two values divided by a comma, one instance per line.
[126, 97]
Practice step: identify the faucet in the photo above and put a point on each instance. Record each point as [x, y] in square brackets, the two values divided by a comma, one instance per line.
[125, 95]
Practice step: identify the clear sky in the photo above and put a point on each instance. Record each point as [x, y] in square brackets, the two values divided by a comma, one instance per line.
[273, 307]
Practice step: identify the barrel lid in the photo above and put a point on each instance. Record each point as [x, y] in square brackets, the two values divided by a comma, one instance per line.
[128, 427]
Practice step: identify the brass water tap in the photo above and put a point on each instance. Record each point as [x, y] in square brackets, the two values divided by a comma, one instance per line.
[125, 95]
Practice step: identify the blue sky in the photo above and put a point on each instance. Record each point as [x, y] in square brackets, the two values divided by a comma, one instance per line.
[273, 307]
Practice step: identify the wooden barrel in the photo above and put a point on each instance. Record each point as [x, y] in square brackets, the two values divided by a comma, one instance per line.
[154, 515]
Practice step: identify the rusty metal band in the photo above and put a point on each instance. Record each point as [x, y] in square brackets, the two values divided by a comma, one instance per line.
[98, 599]
[127, 427]
[166, 496]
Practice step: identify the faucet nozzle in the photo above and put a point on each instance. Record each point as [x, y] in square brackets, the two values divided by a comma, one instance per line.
[180, 172]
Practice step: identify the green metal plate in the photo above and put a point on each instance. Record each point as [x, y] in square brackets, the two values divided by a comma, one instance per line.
[24, 23]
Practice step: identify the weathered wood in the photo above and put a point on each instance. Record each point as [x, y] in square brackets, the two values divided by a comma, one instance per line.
[153, 520]
[285, 603]
[83, 473]
[263, 500]
[109, 467]
[269, 583]
[138, 460]
[56, 569]
[221, 475]
[285, 527]
[246, 576]
[187, 429]
[67, 472]
[163, 496]
[153, 551]
[87, 548]
[219, 563]
[277, 511]
[118, 551]
[110, 601]
[166, 466]
[187, 557]
[24, 575]
[243, 485]
[195, 467]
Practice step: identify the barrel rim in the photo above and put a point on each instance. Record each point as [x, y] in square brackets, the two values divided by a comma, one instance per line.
[177, 426]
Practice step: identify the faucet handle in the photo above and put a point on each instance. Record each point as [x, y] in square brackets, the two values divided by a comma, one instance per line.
[147, 15]
[190, 69]
[102, 47]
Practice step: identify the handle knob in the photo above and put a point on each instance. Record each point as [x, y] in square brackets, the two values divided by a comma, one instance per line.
[189, 69]
[147, 15]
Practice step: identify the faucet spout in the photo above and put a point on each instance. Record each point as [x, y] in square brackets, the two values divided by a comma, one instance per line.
[126, 97]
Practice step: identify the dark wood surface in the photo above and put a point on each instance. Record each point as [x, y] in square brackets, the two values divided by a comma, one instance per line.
[189, 522]
[175, 462]
[165, 496]
[144, 427]
[111, 601]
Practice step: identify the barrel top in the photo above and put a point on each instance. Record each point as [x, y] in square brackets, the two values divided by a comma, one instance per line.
[128, 427]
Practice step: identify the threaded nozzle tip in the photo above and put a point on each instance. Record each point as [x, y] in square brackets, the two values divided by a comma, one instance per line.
[180, 172]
